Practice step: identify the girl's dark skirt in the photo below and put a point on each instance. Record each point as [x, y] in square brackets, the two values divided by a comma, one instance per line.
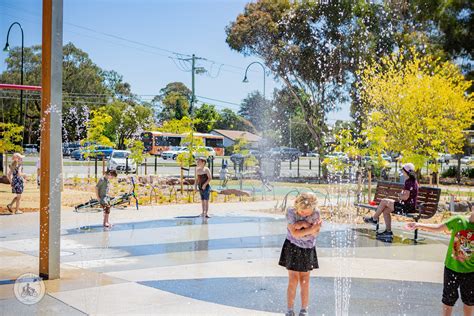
[298, 259]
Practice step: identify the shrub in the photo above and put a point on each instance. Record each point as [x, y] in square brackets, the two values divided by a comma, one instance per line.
[469, 173]
[450, 173]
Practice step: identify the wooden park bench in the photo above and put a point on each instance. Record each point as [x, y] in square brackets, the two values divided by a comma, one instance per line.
[427, 201]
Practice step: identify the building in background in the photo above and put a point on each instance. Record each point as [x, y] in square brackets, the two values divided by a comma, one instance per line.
[230, 137]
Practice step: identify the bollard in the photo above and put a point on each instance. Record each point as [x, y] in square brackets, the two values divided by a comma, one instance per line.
[126, 166]
[156, 163]
[310, 163]
[290, 163]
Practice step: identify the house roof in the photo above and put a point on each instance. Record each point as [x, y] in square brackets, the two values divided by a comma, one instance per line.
[233, 135]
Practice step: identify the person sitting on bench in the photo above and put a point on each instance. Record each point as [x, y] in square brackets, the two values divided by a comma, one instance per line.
[405, 204]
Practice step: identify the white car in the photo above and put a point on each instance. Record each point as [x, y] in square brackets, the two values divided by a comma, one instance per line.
[118, 161]
[339, 155]
[444, 158]
[173, 152]
[210, 151]
[386, 158]
[467, 160]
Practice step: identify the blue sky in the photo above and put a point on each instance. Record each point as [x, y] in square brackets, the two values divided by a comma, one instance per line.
[109, 29]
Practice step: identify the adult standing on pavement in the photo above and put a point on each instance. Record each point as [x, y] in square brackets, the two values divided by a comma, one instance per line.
[16, 177]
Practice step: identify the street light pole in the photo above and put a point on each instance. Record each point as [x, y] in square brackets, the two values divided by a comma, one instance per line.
[264, 75]
[7, 48]
[246, 80]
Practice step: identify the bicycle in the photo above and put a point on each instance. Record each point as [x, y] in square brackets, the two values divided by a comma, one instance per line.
[93, 205]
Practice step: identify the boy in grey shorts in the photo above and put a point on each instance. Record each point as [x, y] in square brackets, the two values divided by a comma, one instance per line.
[102, 191]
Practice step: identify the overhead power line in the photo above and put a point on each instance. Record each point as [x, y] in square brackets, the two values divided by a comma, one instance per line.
[121, 38]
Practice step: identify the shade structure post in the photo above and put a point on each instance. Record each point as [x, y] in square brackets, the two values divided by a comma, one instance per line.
[51, 140]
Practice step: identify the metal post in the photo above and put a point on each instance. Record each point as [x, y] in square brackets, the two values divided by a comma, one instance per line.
[369, 178]
[319, 167]
[193, 97]
[145, 167]
[290, 163]
[95, 167]
[458, 173]
[310, 163]
[156, 163]
[126, 165]
[212, 167]
[51, 108]
[289, 125]
[298, 168]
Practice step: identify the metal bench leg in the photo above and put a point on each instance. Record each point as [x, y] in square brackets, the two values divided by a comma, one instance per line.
[415, 237]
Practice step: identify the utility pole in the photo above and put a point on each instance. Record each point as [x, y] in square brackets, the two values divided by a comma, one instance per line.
[194, 70]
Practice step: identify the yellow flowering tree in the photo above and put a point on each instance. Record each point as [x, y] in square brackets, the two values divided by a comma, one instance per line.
[96, 128]
[10, 136]
[195, 146]
[137, 149]
[181, 126]
[419, 102]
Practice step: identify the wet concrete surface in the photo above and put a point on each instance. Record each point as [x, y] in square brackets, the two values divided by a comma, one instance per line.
[372, 297]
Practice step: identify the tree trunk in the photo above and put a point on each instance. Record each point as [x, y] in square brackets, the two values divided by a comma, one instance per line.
[312, 129]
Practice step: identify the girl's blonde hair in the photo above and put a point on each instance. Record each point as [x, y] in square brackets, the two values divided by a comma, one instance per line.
[14, 165]
[305, 201]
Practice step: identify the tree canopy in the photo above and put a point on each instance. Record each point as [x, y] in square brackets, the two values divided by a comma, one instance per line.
[317, 47]
[420, 103]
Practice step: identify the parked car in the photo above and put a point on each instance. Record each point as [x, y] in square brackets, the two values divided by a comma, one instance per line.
[285, 153]
[338, 155]
[443, 158]
[173, 152]
[312, 154]
[467, 160]
[68, 148]
[100, 152]
[118, 161]
[386, 158]
[77, 154]
[210, 152]
[30, 149]
[256, 153]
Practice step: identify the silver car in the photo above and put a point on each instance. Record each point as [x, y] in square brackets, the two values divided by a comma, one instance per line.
[118, 161]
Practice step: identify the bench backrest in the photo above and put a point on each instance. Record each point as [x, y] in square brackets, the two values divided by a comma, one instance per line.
[429, 196]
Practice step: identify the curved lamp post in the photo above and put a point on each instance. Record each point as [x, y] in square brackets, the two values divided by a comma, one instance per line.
[264, 75]
[6, 49]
